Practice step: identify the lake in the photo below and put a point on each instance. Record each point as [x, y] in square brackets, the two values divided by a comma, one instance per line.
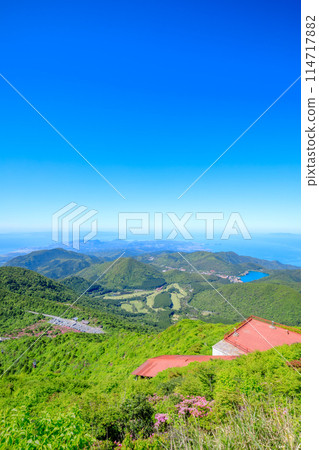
[252, 276]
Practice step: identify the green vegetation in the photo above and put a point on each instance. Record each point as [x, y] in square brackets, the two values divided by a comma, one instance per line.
[78, 284]
[56, 263]
[276, 297]
[126, 273]
[82, 394]
[222, 262]
[23, 290]
[290, 278]
[22, 429]
[86, 382]
[265, 299]
[163, 300]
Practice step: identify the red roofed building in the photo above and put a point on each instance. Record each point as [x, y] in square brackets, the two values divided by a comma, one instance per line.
[251, 335]
[254, 334]
[153, 366]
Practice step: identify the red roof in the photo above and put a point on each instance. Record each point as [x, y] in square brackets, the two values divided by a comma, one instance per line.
[260, 334]
[153, 366]
[251, 335]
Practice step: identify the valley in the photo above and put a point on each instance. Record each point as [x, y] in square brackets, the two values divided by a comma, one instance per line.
[132, 287]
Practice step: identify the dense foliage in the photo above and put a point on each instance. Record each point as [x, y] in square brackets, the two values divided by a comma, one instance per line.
[23, 290]
[76, 390]
[55, 263]
[89, 378]
[125, 273]
[163, 300]
[272, 301]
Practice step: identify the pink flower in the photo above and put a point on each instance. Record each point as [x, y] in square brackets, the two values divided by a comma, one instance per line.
[160, 418]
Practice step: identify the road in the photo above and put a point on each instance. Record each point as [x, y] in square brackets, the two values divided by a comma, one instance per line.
[75, 325]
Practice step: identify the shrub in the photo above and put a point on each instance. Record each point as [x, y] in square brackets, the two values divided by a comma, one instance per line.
[138, 416]
[21, 429]
[103, 416]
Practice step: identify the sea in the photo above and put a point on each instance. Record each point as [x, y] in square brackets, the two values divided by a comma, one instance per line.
[282, 247]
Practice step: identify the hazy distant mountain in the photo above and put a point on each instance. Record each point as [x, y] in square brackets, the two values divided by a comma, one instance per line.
[59, 263]
[56, 263]
[276, 297]
[233, 258]
[224, 262]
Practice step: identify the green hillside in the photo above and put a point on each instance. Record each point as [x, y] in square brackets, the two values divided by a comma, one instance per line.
[276, 297]
[176, 276]
[272, 301]
[126, 273]
[82, 390]
[288, 277]
[80, 285]
[23, 290]
[202, 261]
[228, 263]
[56, 263]
[233, 258]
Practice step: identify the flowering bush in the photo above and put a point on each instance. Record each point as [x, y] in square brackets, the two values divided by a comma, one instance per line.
[154, 399]
[161, 421]
[194, 406]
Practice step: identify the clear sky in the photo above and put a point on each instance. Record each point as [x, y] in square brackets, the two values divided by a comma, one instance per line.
[151, 93]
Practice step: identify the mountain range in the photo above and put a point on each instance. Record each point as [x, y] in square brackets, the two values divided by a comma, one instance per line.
[60, 263]
[128, 286]
[225, 262]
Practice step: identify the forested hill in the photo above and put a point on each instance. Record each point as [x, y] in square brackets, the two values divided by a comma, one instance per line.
[224, 262]
[60, 263]
[56, 263]
[125, 273]
[23, 290]
[127, 288]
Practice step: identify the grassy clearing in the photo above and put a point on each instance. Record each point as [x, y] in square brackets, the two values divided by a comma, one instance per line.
[127, 307]
[140, 306]
[150, 299]
[181, 290]
[177, 296]
[127, 296]
[176, 301]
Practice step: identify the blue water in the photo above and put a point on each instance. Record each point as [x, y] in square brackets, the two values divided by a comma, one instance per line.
[284, 248]
[281, 247]
[252, 276]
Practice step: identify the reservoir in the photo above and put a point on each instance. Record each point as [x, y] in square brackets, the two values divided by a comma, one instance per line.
[252, 276]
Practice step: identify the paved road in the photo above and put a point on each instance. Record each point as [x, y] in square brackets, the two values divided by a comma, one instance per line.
[71, 324]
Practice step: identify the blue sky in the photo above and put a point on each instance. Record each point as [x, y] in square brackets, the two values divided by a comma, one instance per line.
[151, 93]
